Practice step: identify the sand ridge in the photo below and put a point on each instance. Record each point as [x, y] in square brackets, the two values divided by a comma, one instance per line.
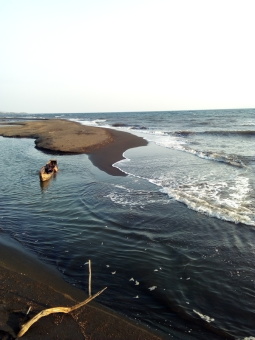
[59, 135]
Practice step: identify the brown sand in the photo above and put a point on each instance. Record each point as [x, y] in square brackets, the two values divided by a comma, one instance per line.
[105, 146]
[58, 135]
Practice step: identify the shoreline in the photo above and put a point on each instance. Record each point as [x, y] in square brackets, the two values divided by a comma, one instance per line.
[57, 136]
[28, 284]
[109, 154]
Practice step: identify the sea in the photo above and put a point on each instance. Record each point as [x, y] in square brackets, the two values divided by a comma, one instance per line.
[173, 240]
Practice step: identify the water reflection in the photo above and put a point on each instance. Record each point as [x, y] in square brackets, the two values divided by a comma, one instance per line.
[46, 184]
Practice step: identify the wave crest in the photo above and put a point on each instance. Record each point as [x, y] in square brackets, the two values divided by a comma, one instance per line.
[218, 157]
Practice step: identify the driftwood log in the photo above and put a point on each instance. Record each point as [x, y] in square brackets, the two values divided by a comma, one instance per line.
[45, 312]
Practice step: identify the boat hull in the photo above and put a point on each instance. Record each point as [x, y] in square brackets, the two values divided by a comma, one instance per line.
[46, 175]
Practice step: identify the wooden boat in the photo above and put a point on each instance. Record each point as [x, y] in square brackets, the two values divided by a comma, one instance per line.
[48, 170]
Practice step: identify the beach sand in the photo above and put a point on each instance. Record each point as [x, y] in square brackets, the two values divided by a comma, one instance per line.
[26, 283]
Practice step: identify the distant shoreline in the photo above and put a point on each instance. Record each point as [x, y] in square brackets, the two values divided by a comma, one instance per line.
[104, 146]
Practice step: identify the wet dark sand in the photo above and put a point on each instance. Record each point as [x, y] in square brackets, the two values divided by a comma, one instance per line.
[27, 284]
[105, 156]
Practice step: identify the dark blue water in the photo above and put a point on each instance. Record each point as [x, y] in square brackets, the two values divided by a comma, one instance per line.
[173, 240]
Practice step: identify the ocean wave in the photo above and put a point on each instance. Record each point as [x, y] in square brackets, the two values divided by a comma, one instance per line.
[181, 145]
[175, 140]
[249, 123]
[94, 122]
[128, 126]
[184, 133]
[99, 121]
[212, 200]
[228, 200]
[243, 133]
[120, 125]
[223, 213]
[105, 124]
[138, 127]
[218, 157]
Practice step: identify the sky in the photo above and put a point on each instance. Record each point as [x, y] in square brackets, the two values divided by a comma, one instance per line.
[126, 55]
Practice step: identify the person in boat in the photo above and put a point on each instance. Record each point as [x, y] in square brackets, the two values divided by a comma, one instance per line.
[48, 168]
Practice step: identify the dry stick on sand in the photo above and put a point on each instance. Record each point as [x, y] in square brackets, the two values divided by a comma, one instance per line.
[48, 311]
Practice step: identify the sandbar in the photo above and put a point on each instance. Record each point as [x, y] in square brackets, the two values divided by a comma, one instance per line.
[104, 146]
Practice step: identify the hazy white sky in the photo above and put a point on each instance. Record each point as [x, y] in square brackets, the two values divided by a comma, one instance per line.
[126, 55]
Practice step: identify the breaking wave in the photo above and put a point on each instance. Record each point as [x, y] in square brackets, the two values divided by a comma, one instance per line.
[218, 157]
[209, 199]
[242, 133]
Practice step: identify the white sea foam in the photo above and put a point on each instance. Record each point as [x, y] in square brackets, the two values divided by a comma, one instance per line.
[220, 198]
[168, 141]
[131, 197]
[96, 122]
[225, 198]
[234, 208]
[122, 200]
[248, 123]
[204, 317]
[159, 133]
